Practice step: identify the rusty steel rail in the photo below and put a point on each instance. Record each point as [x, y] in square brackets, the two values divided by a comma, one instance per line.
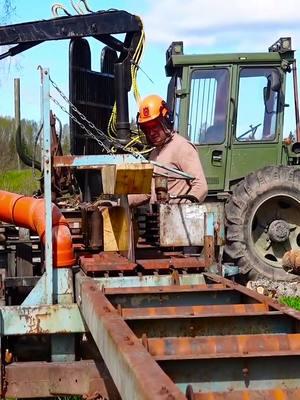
[190, 311]
[43, 379]
[213, 341]
[164, 289]
[223, 347]
[135, 373]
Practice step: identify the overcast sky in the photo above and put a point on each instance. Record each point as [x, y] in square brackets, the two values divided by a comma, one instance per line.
[204, 26]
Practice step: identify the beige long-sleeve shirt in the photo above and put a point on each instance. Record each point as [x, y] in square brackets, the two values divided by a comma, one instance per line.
[180, 154]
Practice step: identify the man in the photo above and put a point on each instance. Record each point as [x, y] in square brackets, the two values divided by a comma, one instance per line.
[171, 150]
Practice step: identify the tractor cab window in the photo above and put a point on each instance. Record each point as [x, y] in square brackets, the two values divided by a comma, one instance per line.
[209, 94]
[258, 104]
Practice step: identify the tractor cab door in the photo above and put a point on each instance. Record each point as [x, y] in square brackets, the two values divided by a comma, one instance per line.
[257, 120]
[208, 104]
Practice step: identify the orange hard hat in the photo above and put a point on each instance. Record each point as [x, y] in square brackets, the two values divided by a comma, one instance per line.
[152, 107]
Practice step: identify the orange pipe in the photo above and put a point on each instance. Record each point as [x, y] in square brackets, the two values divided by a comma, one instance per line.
[28, 212]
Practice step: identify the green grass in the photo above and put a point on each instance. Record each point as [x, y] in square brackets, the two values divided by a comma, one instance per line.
[19, 181]
[293, 302]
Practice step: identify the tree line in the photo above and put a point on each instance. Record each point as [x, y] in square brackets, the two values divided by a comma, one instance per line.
[9, 159]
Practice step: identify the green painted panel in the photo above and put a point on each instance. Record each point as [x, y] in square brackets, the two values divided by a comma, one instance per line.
[248, 158]
[213, 159]
[240, 58]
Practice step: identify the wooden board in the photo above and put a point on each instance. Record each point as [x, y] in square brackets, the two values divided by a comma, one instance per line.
[116, 229]
[127, 179]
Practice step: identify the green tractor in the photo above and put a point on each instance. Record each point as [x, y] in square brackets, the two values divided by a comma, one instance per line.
[232, 106]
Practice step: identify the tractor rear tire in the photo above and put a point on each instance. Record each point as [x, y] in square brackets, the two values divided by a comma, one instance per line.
[263, 221]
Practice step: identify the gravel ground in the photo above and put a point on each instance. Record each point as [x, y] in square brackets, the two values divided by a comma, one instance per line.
[275, 289]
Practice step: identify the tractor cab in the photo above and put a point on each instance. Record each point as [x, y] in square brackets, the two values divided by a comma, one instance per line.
[231, 106]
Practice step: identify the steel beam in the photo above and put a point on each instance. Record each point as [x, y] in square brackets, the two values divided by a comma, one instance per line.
[21, 320]
[93, 24]
[223, 346]
[176, 298]
[150, 280]
[135, 373]
[172, 263]
[164, 289]
[216, 279]
[46, 167]
[96, 161]
[235, 374]
[42, 379]
[61, 288]
[204, 325]
[188, 311]
[104, 262]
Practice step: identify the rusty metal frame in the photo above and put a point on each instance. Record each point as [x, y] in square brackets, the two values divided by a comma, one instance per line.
[97, 24]
[42, 379]
[37, 320]
[114, 314]
[136, 363]
[134, 371]
[216, 279]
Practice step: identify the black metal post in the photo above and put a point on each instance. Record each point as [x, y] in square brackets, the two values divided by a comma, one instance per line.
[121, 91]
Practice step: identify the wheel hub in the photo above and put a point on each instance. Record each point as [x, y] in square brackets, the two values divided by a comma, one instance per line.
[279, 231]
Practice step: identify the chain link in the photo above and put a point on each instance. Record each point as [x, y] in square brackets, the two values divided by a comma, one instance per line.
[75, 109]
[113, 142]
[82, 126]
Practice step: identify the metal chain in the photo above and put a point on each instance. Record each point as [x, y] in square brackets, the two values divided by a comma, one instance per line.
[114, 142]
[81, 115]
[82, 126]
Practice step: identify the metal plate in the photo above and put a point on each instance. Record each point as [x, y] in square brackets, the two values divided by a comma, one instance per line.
[184, 225]
[181, 224]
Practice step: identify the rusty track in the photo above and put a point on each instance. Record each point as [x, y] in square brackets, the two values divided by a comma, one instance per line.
[213, 341]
